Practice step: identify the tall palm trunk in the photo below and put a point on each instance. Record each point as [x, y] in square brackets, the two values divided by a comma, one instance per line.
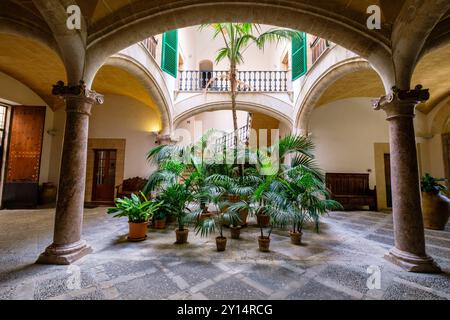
[233, 82]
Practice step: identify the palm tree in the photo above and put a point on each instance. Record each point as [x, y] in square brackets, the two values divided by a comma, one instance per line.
[237, 38]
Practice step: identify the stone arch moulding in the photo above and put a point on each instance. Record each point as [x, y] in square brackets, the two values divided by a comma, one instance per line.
[152, 80]
[265, 104]
[8, 26]
[110, 35]
[314, 93]
[440, 119]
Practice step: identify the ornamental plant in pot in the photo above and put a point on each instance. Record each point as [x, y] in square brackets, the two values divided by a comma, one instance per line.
[159, 220]
[262, 218]
[298, 198]
[138, 210]
[435, 206]
[177, 198]
[217, 221]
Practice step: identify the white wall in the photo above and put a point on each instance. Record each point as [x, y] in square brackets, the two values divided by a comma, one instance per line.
[125, 118]
[433, 157]
[345, 132]
[197, 45]
[14, 92]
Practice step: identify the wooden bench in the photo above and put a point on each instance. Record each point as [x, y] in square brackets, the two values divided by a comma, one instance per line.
[129, 186]
[352, 190]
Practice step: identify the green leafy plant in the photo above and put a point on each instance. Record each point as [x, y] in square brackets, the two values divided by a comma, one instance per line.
[237, 38]
[299, 198]
[177, 200]
[137, 209]
[431, 184]
[207, 226]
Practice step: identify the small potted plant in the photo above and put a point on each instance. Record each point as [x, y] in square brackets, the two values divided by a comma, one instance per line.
[159, 220]
[435, 206]
[264, 240]
[217, 221]
[262, 218]
[138, 210]
[235, 231]
[177, 197]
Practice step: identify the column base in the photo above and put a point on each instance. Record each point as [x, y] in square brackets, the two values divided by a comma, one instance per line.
[411, 262]
[64, 254]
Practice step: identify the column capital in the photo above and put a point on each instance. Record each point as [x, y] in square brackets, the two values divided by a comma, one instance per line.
[78, 92]
[401, 103]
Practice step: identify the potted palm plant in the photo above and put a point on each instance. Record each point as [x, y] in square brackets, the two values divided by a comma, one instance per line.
[435, 205]
[298, 198]
[138, 210]
[217, 221]
[159, 219]
[178, 200]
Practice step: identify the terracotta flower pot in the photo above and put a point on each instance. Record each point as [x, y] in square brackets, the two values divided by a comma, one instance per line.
[243, 214]
[137, 231]
[221, 243]
[235, 232]
[263, 220]
[204, 216]
[160, 223]
[233, 197]
[264, 243]
[296, 237]
[182, 236]
[435, 210]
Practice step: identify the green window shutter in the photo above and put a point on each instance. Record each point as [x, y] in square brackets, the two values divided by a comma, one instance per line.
[169, 61]
[299, 59]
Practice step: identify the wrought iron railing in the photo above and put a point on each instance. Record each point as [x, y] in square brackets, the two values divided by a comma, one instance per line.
[219, 81]
[228, 140]
[318, 46]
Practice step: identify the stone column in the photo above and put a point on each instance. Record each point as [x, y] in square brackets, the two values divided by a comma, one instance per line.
[67, 244]
[409, 251]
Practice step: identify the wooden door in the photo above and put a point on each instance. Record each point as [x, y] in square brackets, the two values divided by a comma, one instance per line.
[104, 175]
[24, 157]
[387, 176]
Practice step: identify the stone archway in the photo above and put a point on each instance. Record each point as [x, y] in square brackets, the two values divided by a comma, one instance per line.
[265, 104]
[108, 36]
[151, 79]
[327, 78]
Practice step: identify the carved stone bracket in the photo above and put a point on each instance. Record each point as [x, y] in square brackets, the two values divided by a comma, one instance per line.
[401, 103]
[165, 139]
[77, 92]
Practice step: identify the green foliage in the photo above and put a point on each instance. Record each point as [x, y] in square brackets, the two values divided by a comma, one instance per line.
[237, 37]
[137, 209]
[431, 184]
[292, 194]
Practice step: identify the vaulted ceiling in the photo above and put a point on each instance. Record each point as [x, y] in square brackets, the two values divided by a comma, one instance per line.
[39, 67]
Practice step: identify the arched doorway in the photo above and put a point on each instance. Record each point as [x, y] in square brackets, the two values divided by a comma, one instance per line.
[206, 68]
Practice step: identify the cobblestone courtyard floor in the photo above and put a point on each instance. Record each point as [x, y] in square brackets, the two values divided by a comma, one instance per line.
[330, 265]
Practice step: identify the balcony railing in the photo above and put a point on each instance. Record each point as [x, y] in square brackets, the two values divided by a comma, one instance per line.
[219, 81]
[151, 44]
[318, 46]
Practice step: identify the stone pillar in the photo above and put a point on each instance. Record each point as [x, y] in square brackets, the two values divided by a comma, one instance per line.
[409, 251]
[67, 244]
